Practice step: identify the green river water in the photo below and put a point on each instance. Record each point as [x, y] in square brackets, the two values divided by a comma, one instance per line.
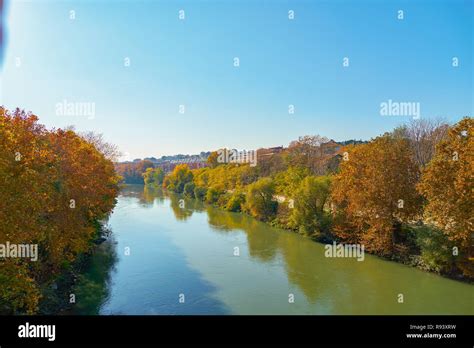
[181, 261]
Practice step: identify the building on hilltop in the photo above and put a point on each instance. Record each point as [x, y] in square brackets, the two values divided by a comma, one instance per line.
[265, 153]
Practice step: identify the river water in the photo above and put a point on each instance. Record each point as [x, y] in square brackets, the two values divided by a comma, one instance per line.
[165, 259]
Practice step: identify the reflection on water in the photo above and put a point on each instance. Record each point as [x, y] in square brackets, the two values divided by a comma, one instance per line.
[95, 282]
[188, 251]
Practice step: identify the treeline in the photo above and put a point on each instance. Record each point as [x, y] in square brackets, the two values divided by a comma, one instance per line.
[55, 188]
[406, 195]
[132, 173]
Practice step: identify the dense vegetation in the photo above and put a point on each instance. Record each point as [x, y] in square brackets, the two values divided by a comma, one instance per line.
[153, 176]
[132, 173]
[406, 195]
[55, 188]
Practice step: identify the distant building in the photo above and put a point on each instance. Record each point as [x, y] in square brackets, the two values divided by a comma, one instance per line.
[265, 153]
[192, 163]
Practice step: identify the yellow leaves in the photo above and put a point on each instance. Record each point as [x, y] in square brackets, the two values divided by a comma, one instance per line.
[369, 186]
[448, 183]
[379, 174]
[18, 292]
[35, 193]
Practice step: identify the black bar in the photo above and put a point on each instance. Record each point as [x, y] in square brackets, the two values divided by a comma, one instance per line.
[225, 330]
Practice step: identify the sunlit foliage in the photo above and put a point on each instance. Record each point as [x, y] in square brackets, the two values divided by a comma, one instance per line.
[54, 186]
[376, 191]
[448, 185]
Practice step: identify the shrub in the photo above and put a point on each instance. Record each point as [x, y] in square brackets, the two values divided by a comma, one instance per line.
[176, 180]
[308, 215]
[189, 189]
[236, 201]
[260, 203]
[212, 195]
[200, 192]
[436, 251]
[223, 199]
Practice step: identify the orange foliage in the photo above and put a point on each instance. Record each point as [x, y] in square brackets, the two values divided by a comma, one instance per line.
[448, 185]
[54, 185]
[374, 192]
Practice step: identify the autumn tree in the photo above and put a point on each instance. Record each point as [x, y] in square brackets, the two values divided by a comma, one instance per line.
[110, 151]
[423, 135]
[154, 176]
[179, 177]
[308, 152]
[448, 185]
[55, 186]
[268, 165]
[148, 176]
[189, 189]
[375, 191]
[212, 159]
[132, 173]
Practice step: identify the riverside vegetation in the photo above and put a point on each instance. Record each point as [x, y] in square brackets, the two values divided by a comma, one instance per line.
[406, 195]
[56, 187]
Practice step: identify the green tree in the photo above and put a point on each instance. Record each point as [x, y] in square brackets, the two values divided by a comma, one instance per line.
[148, 176]
[288, 181]
[235, 202]
[200, 193]
[212, 159]
[260, 203]
[189, 189]
[158, 176]
[308, 214]
[179, 177]
[212, 195]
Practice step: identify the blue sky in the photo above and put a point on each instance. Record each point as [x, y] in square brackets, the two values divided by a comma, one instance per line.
[190, 62]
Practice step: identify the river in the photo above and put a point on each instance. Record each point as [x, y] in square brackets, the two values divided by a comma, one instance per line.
[165, 259]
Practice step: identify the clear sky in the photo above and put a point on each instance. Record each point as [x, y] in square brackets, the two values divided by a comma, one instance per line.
[190, 62]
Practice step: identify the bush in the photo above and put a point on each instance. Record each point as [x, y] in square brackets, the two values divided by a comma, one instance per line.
[212, 195]
[223, 199]
[154, 176]
[189, 189]
[308, 215]
[436, 251]
[260, 203]
[200, 192]
[236, 201]
[176, 180]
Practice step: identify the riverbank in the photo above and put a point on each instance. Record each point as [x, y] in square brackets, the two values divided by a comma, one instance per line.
[59, 295]
[58, 183]
[199, 259]
[403, 257]
[410, 260]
